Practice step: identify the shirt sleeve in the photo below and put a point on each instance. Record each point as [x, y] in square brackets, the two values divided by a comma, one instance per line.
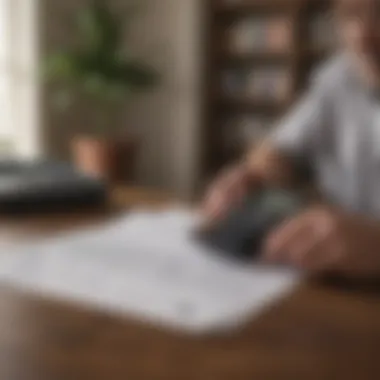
[297, 133]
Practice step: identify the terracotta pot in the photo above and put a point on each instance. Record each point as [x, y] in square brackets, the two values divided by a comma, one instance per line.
[108, 159]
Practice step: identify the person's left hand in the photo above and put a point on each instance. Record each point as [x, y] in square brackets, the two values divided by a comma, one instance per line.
[325, 240]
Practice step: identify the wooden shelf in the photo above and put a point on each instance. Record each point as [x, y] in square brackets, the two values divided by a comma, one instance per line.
[256, 58]
[315, 6]
[256, 6]
[246, 104]
[299, 61]
[264, 58]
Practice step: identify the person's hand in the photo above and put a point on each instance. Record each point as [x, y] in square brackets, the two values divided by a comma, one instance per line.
[226, 191]
[325, 240]
[265, 165]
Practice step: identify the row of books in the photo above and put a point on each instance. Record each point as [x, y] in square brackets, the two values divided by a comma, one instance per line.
[258, 34]
[267, 83]
[275, 34]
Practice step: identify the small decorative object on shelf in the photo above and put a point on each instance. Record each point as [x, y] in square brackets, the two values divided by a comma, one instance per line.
[279, 34]
[245, 37]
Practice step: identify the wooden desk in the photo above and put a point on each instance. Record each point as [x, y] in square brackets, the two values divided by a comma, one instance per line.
[320, 333]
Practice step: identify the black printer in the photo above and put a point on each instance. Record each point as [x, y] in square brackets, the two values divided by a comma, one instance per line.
[46, 185]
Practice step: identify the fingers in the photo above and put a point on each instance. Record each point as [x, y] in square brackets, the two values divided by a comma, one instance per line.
[218, 203]
[213, 205]
[288, 240]
[308, 242]
[325, 256]
[225, 192]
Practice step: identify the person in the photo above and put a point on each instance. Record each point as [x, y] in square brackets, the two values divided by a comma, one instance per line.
[336, 127]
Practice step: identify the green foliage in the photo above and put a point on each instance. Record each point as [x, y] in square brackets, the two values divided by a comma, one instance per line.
[98, 67]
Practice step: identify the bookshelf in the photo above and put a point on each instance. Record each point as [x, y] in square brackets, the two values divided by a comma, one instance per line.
[259, 57]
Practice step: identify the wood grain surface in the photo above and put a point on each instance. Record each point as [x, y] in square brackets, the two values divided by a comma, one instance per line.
[323, 331]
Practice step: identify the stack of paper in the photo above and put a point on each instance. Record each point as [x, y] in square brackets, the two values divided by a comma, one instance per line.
[147, 265]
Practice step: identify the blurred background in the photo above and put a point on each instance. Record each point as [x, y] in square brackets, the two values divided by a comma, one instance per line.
[157, 93]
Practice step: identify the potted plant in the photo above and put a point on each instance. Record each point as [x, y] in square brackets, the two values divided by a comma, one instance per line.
[98, 70]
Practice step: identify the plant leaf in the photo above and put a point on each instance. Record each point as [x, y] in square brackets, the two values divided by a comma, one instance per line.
[138, 75]
[61, 65]
[98, 29]
[98, 67]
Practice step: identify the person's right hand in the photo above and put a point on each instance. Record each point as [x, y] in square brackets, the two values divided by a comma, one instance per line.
[264, 165]
[230, 187]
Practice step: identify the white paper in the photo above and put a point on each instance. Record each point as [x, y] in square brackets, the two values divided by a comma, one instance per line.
[147, 265]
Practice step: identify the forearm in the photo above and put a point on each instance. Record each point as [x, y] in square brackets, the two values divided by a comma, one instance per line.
[269, 166]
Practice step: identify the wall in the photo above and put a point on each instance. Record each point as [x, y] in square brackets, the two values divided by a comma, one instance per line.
[167, 33]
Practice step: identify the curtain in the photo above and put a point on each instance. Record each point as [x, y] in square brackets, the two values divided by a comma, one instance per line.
[19, 88]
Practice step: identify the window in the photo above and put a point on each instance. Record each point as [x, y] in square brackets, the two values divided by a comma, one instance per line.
[19, 97]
